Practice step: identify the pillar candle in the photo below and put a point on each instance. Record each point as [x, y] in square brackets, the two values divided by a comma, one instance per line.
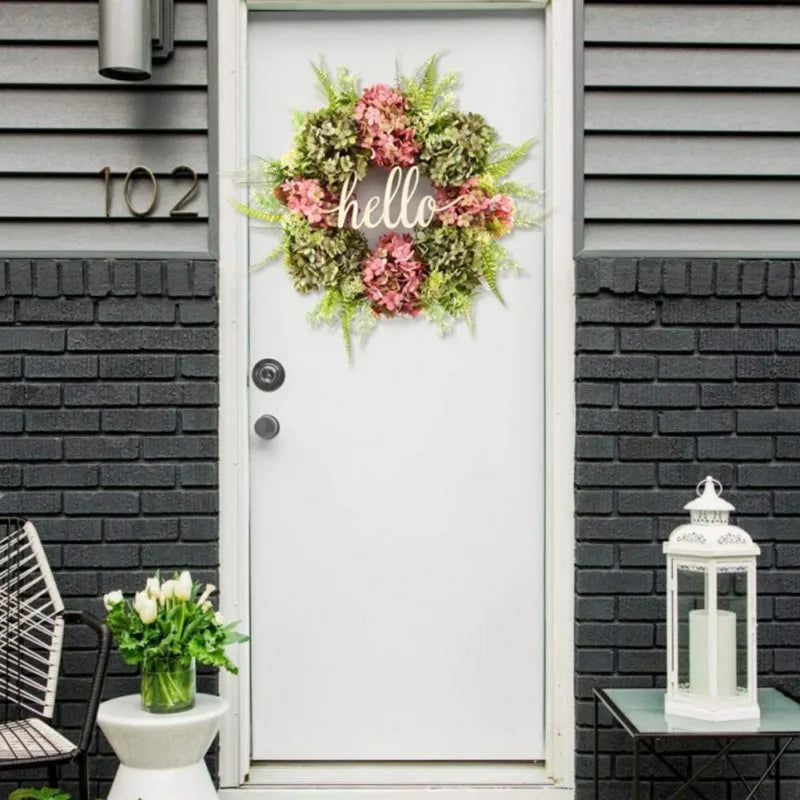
[726, 652]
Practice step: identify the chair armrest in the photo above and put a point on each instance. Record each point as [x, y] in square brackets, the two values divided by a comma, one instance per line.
[99, 676]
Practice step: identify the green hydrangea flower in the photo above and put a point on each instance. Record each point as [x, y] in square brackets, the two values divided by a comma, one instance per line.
[327, 148]
[319, 259]
[456, 147]
[453, 257]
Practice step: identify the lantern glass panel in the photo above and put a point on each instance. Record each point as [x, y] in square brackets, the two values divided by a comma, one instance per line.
[691, 590]
[732, 627]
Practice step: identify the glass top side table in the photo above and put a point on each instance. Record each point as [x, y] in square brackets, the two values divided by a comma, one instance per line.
[640, 712]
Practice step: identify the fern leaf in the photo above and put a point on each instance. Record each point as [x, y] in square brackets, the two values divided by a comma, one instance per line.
[272, 217]
[326, 82]
[506, 162]
[489, 272]
[428, 83]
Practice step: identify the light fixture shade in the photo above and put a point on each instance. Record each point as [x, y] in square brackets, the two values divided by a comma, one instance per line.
[125, 41]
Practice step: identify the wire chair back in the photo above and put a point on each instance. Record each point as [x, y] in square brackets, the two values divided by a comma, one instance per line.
[31, 622]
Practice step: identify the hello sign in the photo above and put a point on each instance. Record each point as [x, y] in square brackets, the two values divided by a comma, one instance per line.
[406, 185]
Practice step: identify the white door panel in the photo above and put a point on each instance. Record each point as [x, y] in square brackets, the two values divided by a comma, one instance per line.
[397, 526]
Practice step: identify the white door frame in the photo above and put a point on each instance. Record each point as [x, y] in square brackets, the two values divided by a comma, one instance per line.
[556, 778]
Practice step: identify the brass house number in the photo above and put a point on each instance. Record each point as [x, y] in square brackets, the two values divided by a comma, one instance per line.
[146, 174]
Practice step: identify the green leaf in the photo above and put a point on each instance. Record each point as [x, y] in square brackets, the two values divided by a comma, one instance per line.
[326, 82]
[273, 217]
[507, 159]
[45, 793]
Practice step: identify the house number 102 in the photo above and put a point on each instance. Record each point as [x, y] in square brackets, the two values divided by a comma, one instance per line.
[145, 173]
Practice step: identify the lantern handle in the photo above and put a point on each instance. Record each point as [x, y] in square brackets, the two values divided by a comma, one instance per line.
[713, 481]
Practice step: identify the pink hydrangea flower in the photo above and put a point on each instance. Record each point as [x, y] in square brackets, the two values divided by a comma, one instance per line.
[475, 208]
[392, 276]
[385, 127]
[310, 198]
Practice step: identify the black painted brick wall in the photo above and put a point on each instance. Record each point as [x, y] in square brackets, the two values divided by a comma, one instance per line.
[108, 437]
[684, 368]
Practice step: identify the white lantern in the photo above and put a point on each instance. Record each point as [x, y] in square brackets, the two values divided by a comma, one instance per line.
[711, 614]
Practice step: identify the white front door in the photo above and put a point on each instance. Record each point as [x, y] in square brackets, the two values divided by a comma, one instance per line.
[397, 519]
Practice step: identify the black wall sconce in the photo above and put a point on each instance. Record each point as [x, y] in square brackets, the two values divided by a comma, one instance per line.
[134, 34]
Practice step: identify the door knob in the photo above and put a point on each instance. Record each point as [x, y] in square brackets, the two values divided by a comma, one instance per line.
[267, 426]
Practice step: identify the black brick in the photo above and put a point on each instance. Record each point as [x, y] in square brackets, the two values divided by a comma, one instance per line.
[101, 502]
[587, 474]
[594, 394]
[198, 419]
[178, 279]
[595, 446]
[658, 395]
[123, 278]
[31, 503]
[615, 310]
[734, 448]
[765, 367]
[199, 366]
[595, 338]
[51, 475]
[675, 277]
[36, 449]
[701, 278]
[717, 395]
[137, 530]
[592, 421]
[11, 421]
[198, 529]
[728, 273]
[179, 557]
[616, 529]
[196, 393]
[28, 339]
[641, 448]
[205, 279]
[769, 475]
[784, 421]
[707, 312]
[779, 279]
[593, 502]
[688, 475]
[789, 394]
[198, 474]
[695, 367]
[753, 275]
[649, 281]
[724, 340]
[179, 502]
[62, 421]
[587, 279]
[178, 447]
[139, 420]
[150, 278]
[616, 367]
[197, 312]
[131, 367]
[770, 312]
[70, 311]
[60, 367]
[30, 394]
[109, 394]
[98, 278]
[106, 448]
[696, 421]
[116, 556]
[72, 278]
[789, 338]
[136, 311]
[10, 366]
[20, 278]
[657, 340]
[137, 475]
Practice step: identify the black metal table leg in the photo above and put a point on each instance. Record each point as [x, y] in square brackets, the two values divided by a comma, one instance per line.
[635, 768]
[777, 773]
[596, 736]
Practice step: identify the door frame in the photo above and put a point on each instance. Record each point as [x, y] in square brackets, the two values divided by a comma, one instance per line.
[554, 779]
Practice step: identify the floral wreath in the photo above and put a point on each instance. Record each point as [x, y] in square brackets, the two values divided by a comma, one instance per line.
[439, 269]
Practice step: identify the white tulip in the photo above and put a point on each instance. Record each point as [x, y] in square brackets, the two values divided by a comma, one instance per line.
[206, 593]
[146, 607]
[153, 588]
[206, 606]
[167, 591]
[183, 586]
[218, 618]
[113, 599]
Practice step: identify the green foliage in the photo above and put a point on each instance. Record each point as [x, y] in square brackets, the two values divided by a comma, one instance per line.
[262, 215]
[430, 97]
[320, 258]
[327, 148]
[182, 629]
[341, 92]
[346, 306]
[456, 147]
[505, 158]
[45, 793]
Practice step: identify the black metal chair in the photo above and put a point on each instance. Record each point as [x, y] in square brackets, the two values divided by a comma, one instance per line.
[32, 619]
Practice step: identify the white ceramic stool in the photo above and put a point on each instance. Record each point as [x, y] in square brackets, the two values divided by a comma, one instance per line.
[161, 755]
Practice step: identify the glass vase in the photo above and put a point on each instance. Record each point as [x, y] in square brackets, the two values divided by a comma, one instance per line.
[168, 685]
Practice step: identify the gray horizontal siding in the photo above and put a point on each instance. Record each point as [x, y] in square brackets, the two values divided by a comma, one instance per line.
[82, 152]
[87, 197]
[64, 21]
[690, 116]
[62, 123]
